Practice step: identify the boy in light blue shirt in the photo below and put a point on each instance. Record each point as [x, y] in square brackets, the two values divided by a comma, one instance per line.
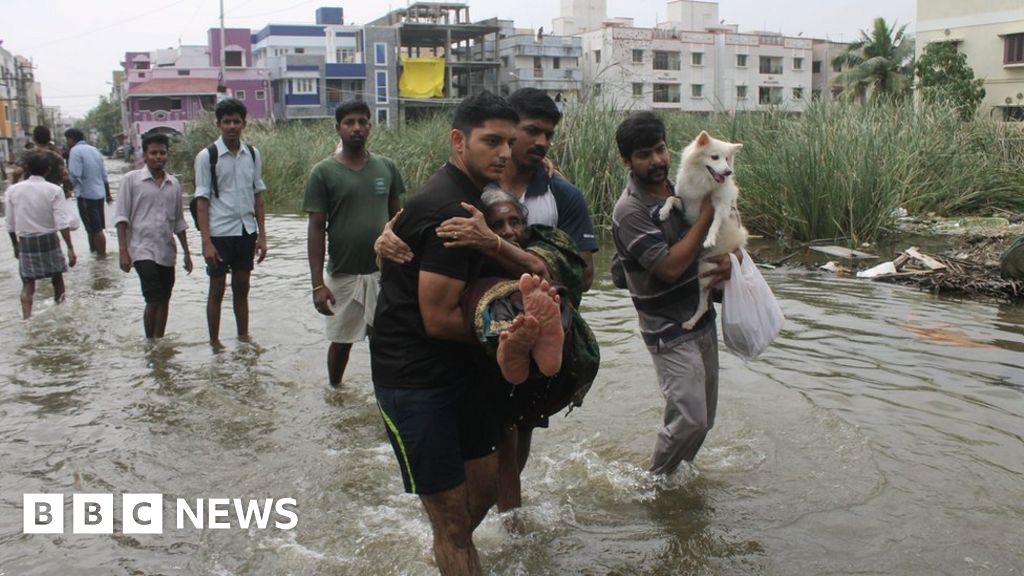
[230, 215]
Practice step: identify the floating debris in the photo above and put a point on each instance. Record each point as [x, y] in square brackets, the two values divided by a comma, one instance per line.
[949, 275]
[840, 252]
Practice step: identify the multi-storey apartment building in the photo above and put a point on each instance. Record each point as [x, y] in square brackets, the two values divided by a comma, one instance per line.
[823, 70]
[991, 35]
[166, 90]
[536, 60]
[30, 95]
[313, 68]
[11, 132]
[693, 63]
[431, 30]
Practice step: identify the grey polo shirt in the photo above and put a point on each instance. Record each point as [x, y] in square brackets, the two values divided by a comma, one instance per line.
[153, 214]
[642, 242]
[239, 179]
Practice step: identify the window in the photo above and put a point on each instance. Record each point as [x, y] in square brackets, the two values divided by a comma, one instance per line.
[741, 92]
[260, 95]
[638, 89]
[233, 58]
[380, 54]
[597, 90]
[638, 56]
[697, 58]
[769, 95]
[666, 60]
[741, 60]
[771, 65]
[798, 93]
[382, 116]
[556, 63]
[382, 87]
[837, 66]
[240, 94]
[597, 56]
[1013, 52]
[816, 67]
[697, 90]
[304, 86]
[184, 72]
[346, 55]
[300, 50]
[798, 63]
[140, 65]
[156, 103]
[666, 93]
[537, 63]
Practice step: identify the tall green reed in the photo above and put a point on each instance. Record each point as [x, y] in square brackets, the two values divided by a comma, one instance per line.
[838, 170]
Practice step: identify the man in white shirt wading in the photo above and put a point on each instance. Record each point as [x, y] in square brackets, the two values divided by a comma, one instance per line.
[35, 214]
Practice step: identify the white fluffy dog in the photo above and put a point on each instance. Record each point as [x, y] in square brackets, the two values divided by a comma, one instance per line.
[706, 168]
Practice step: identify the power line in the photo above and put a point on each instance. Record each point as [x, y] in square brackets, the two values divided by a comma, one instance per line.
[296, 5]
[190, 19]
[106, 27]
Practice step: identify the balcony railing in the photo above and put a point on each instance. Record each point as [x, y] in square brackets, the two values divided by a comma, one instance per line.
[549, 74]
[551, 51]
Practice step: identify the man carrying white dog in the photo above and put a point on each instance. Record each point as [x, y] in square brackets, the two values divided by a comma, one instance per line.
[660, 261]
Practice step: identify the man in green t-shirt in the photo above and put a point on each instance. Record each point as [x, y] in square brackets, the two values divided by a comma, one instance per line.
[349, 198]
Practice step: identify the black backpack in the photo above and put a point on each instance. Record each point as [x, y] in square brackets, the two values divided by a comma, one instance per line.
[211, 151]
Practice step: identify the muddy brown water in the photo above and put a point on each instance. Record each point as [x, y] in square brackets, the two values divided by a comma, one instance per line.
[881, 434]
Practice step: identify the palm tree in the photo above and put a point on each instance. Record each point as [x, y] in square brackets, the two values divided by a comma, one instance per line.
[879, 64]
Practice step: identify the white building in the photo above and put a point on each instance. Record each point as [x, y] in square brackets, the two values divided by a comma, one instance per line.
[580, 16]
[693, 63]
[823, 71]
[536, 60]
[313, 67]
[991, 35]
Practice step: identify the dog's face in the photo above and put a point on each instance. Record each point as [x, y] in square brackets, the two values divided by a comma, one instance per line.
[710, 157]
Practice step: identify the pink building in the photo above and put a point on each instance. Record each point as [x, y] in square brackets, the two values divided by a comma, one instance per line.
[166, 90]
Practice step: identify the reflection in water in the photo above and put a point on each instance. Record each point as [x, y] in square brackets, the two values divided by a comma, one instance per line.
[880, 434]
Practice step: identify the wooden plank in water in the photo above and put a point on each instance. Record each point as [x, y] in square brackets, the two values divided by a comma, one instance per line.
[926, 260]
[840, 252]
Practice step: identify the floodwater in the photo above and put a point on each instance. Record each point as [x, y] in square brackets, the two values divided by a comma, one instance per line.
[881, 434]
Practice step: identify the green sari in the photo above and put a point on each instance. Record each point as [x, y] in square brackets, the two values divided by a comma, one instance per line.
[490, 304]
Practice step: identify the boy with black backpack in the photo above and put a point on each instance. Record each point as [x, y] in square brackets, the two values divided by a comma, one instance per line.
[229, 213]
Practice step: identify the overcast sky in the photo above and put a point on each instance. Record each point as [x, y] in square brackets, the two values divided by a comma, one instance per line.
[75, 44]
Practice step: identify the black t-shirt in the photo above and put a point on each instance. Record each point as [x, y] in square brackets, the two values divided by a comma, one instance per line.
[402, 356]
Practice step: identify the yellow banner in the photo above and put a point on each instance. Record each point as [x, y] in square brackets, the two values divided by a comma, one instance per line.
[421, 78]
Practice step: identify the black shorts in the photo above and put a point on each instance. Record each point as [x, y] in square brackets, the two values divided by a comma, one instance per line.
[237, 253]
[157, 281]
[93, 214]
[435, 430]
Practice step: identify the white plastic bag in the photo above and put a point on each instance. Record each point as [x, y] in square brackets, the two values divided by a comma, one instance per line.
[70, 210]
[751, 317]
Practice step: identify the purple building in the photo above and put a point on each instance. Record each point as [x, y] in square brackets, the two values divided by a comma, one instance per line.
[166, 90]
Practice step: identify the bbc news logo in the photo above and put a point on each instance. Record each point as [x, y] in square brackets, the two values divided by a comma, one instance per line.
[144, 513]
